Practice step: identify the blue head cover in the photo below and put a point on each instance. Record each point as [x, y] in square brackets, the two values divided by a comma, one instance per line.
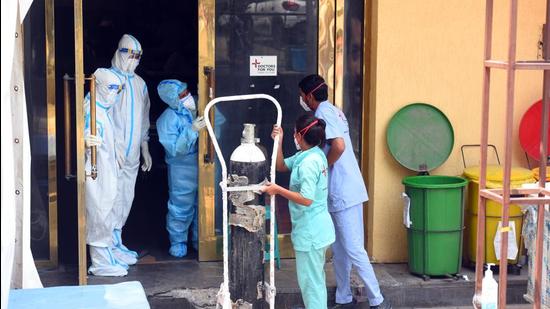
[169, 91]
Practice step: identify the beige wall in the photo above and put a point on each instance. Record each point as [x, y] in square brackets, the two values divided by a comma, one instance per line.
[431, 51]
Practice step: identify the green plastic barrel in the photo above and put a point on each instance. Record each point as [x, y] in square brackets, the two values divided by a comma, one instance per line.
[435, 235]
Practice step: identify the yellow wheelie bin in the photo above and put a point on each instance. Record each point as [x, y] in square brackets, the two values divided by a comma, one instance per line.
[495, 175]
[536, 173]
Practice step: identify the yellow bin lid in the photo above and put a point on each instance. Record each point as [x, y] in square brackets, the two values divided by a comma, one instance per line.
[495, 175]
[536, 173]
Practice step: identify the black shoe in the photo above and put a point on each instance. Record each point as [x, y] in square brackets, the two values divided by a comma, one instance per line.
[349, 305]
[384, 305]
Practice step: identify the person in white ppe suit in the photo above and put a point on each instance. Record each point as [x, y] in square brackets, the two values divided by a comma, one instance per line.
[178, 133]
[101, 192]
[131, 118]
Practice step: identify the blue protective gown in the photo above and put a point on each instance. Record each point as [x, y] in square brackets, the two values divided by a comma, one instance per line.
[175, 131]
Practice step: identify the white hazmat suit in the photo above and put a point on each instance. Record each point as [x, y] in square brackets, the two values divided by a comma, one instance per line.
[131, 119]
[101, 192]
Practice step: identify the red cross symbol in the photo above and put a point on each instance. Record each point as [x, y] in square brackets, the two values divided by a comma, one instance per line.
[256, 62]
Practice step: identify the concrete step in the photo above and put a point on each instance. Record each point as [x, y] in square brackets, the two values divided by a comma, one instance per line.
[192, 284]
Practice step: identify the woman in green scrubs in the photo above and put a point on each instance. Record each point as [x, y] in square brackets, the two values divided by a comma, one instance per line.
[312, 227]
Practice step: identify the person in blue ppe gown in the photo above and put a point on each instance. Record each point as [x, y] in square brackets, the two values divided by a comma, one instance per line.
[178, 130]
[131, 119]
[346, 195]
[101, 192]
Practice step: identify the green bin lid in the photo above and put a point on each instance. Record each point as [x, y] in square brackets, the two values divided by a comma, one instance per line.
[434, 182]
[420, 137]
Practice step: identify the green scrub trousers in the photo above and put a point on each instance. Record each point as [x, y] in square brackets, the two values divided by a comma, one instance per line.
[311, 277]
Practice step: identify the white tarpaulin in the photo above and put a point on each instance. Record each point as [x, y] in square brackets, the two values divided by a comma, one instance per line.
[17, 262]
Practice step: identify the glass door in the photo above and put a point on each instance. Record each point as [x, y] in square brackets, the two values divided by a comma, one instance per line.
[38, 34]
[237, 35]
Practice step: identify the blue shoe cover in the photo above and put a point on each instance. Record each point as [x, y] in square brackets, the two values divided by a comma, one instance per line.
[104, 263]
[117, 239]
[178, 250]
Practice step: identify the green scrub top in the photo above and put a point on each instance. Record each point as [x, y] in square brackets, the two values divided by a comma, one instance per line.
[312, 226]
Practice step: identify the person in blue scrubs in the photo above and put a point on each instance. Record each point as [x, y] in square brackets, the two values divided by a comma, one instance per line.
[312, 228]
[347, 193]
[178, 130]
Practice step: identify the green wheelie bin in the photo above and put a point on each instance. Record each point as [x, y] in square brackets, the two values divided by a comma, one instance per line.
[437, 215]
[421, 138]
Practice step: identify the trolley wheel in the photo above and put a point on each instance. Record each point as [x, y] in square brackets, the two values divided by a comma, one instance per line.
[426, 278]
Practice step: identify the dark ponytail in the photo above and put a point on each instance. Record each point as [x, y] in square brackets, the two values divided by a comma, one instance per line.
[315, 134]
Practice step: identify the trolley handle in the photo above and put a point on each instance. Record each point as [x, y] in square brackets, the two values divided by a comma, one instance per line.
[210, 128]
[224, 295]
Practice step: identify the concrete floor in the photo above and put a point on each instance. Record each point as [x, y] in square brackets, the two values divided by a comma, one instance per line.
[190, 284]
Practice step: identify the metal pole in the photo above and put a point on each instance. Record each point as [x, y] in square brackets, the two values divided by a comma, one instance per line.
[510, 84]
[482, 202]
[67, 111]
[80, 173]
[543, 159]
[93, 129]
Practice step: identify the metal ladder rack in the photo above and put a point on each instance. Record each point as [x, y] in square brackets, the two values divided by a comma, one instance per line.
[504, 195]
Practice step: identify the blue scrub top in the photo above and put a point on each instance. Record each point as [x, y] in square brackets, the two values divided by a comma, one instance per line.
[346, 185]
[312, 226]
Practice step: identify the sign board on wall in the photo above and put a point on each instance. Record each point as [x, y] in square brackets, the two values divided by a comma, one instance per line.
[263, 65]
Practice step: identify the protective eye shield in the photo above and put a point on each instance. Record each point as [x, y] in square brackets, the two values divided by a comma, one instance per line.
[134, 54]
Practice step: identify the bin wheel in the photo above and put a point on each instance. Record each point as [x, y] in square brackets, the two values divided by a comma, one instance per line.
[454, 277]
[425, 277]
[514, 269]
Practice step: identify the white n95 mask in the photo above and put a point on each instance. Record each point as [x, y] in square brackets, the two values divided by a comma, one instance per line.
[189, 103]
[297, 145]
[304, 105]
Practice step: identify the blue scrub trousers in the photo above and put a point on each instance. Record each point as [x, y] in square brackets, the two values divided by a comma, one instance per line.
[348, 250]
[311, 277]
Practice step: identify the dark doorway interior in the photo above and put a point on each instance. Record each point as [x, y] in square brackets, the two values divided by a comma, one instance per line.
[167, 31]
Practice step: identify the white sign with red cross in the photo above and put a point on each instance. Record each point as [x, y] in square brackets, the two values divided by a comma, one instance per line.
[263, 65]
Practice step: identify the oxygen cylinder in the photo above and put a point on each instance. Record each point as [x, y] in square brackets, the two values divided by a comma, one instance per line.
[248, 166]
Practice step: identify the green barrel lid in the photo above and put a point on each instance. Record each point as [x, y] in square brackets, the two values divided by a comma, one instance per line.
[420, 137]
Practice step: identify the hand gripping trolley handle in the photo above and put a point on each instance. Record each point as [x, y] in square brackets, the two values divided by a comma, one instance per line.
[224, 298]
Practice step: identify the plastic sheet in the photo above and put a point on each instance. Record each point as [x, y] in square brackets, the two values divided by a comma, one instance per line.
[110, 296]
